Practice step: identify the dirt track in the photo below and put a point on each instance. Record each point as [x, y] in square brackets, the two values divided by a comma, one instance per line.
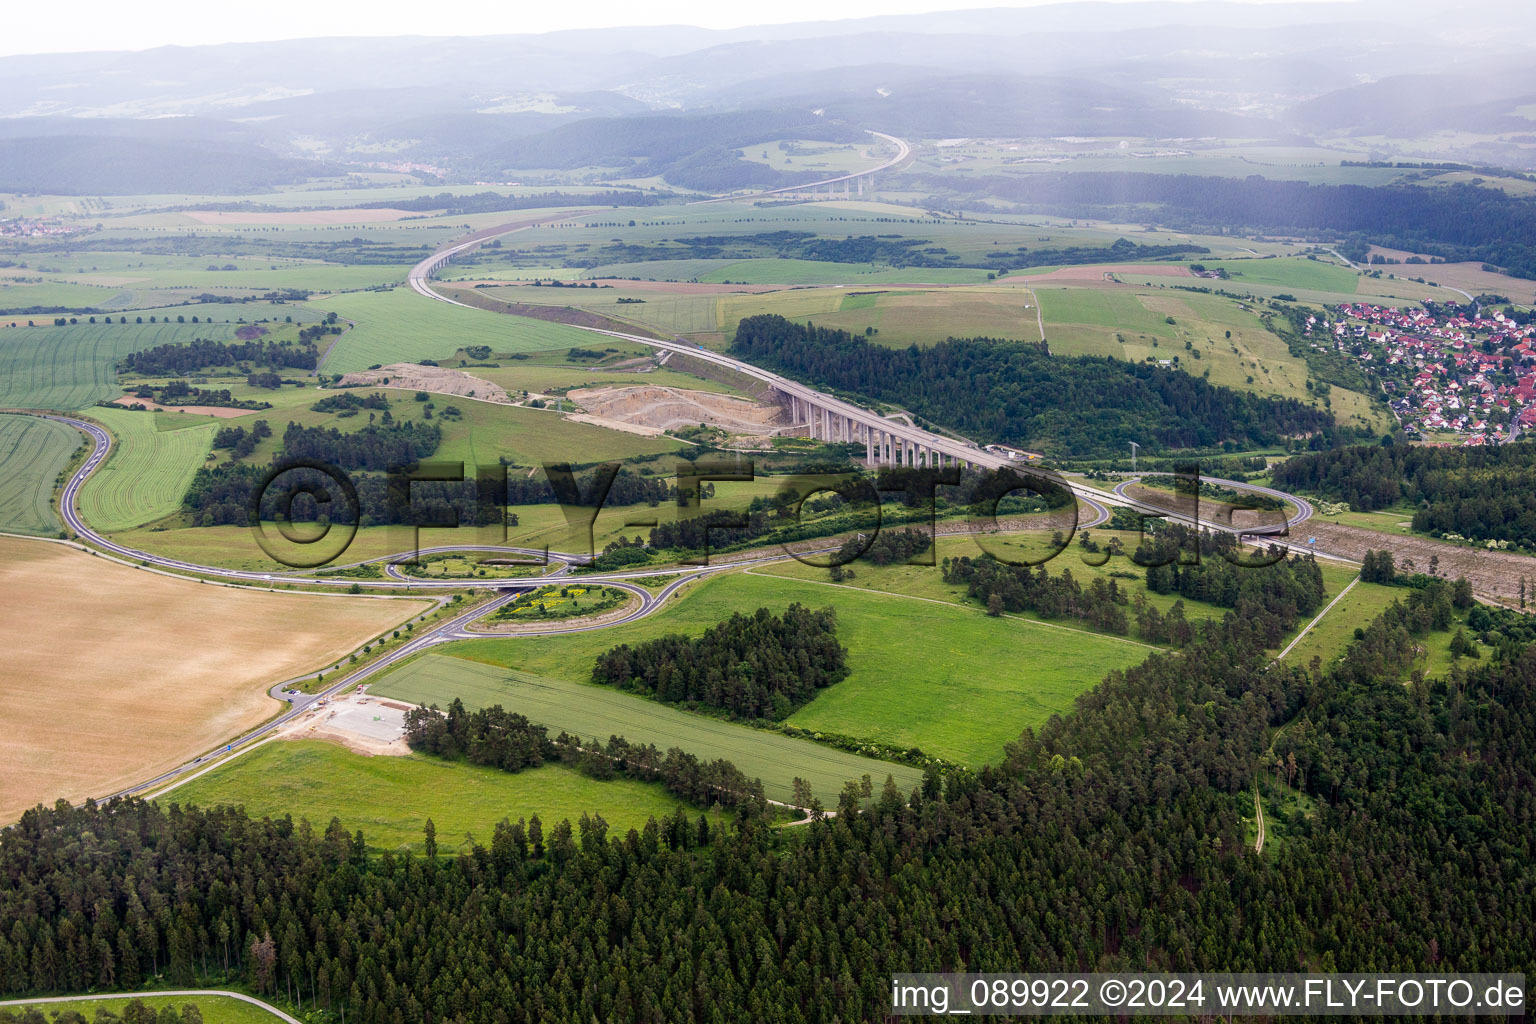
[1495, 573]
[669, 408]
[436, 379]
[221, 411]
[1098, 271]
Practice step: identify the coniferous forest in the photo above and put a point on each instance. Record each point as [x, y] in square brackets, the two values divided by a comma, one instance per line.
[754, 666]
[1120, 832]
[1483, 493]
[1018, 393]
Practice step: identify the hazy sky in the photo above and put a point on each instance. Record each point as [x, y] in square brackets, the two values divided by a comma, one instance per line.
[36, 27]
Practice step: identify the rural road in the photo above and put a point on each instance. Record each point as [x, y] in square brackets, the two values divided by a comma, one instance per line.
[170, 993]
[102, 441]
[456, 627]
[1363, 269]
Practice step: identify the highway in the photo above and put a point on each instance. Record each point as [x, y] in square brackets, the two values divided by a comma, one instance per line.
[903, 150]
[459, 626]
[421, 281]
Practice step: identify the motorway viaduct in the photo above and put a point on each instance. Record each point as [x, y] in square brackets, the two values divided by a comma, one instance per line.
[887, 441]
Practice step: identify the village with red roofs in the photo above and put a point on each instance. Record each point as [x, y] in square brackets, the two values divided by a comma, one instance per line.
[1454, 374]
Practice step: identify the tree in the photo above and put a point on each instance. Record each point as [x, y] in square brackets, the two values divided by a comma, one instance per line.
[263, 961]
[1378, 567]
[995, 604]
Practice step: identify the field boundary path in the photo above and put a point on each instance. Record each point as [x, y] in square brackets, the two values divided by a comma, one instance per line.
[172, 993]
[1258, 810]
[1316, 619]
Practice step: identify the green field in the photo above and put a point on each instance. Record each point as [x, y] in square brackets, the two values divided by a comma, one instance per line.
[1359, 608]
[777, 271]
[808, 158]
[128, 280]
[926, 672]
[1099, 307]
[215, 1009]
[71, 367]
[1336, 629]
[148, 471]
[32, 453]
[400, 326]
[901, 317]
[1323, 274]
[1211, 336]
[526, 375]
[541, 525]
[526, 436]
[679, 314]
[647, 270]
[598, 711]
[531, 437]
[391, 798]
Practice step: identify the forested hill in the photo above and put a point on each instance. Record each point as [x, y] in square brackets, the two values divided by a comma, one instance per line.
[1394, 811]
[1017, 393]
[1480, 493]
[1456, 222]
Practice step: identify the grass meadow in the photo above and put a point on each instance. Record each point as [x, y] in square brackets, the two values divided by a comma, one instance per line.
[794, 272]
[589, 710]
[1298, 272]
[400, 326]
[391, 798]
[926, 672]
[678, 313]
[1336, 630]
[33, 451]
[901, 316]
[215, 1009]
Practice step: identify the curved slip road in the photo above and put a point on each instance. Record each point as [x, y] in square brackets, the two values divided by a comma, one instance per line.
[1304, 510]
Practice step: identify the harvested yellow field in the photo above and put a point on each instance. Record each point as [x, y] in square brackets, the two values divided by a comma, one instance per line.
[114, 674]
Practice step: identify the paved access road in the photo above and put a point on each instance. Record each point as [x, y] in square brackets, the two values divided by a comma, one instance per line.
[169, 993]
[1304, 510]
